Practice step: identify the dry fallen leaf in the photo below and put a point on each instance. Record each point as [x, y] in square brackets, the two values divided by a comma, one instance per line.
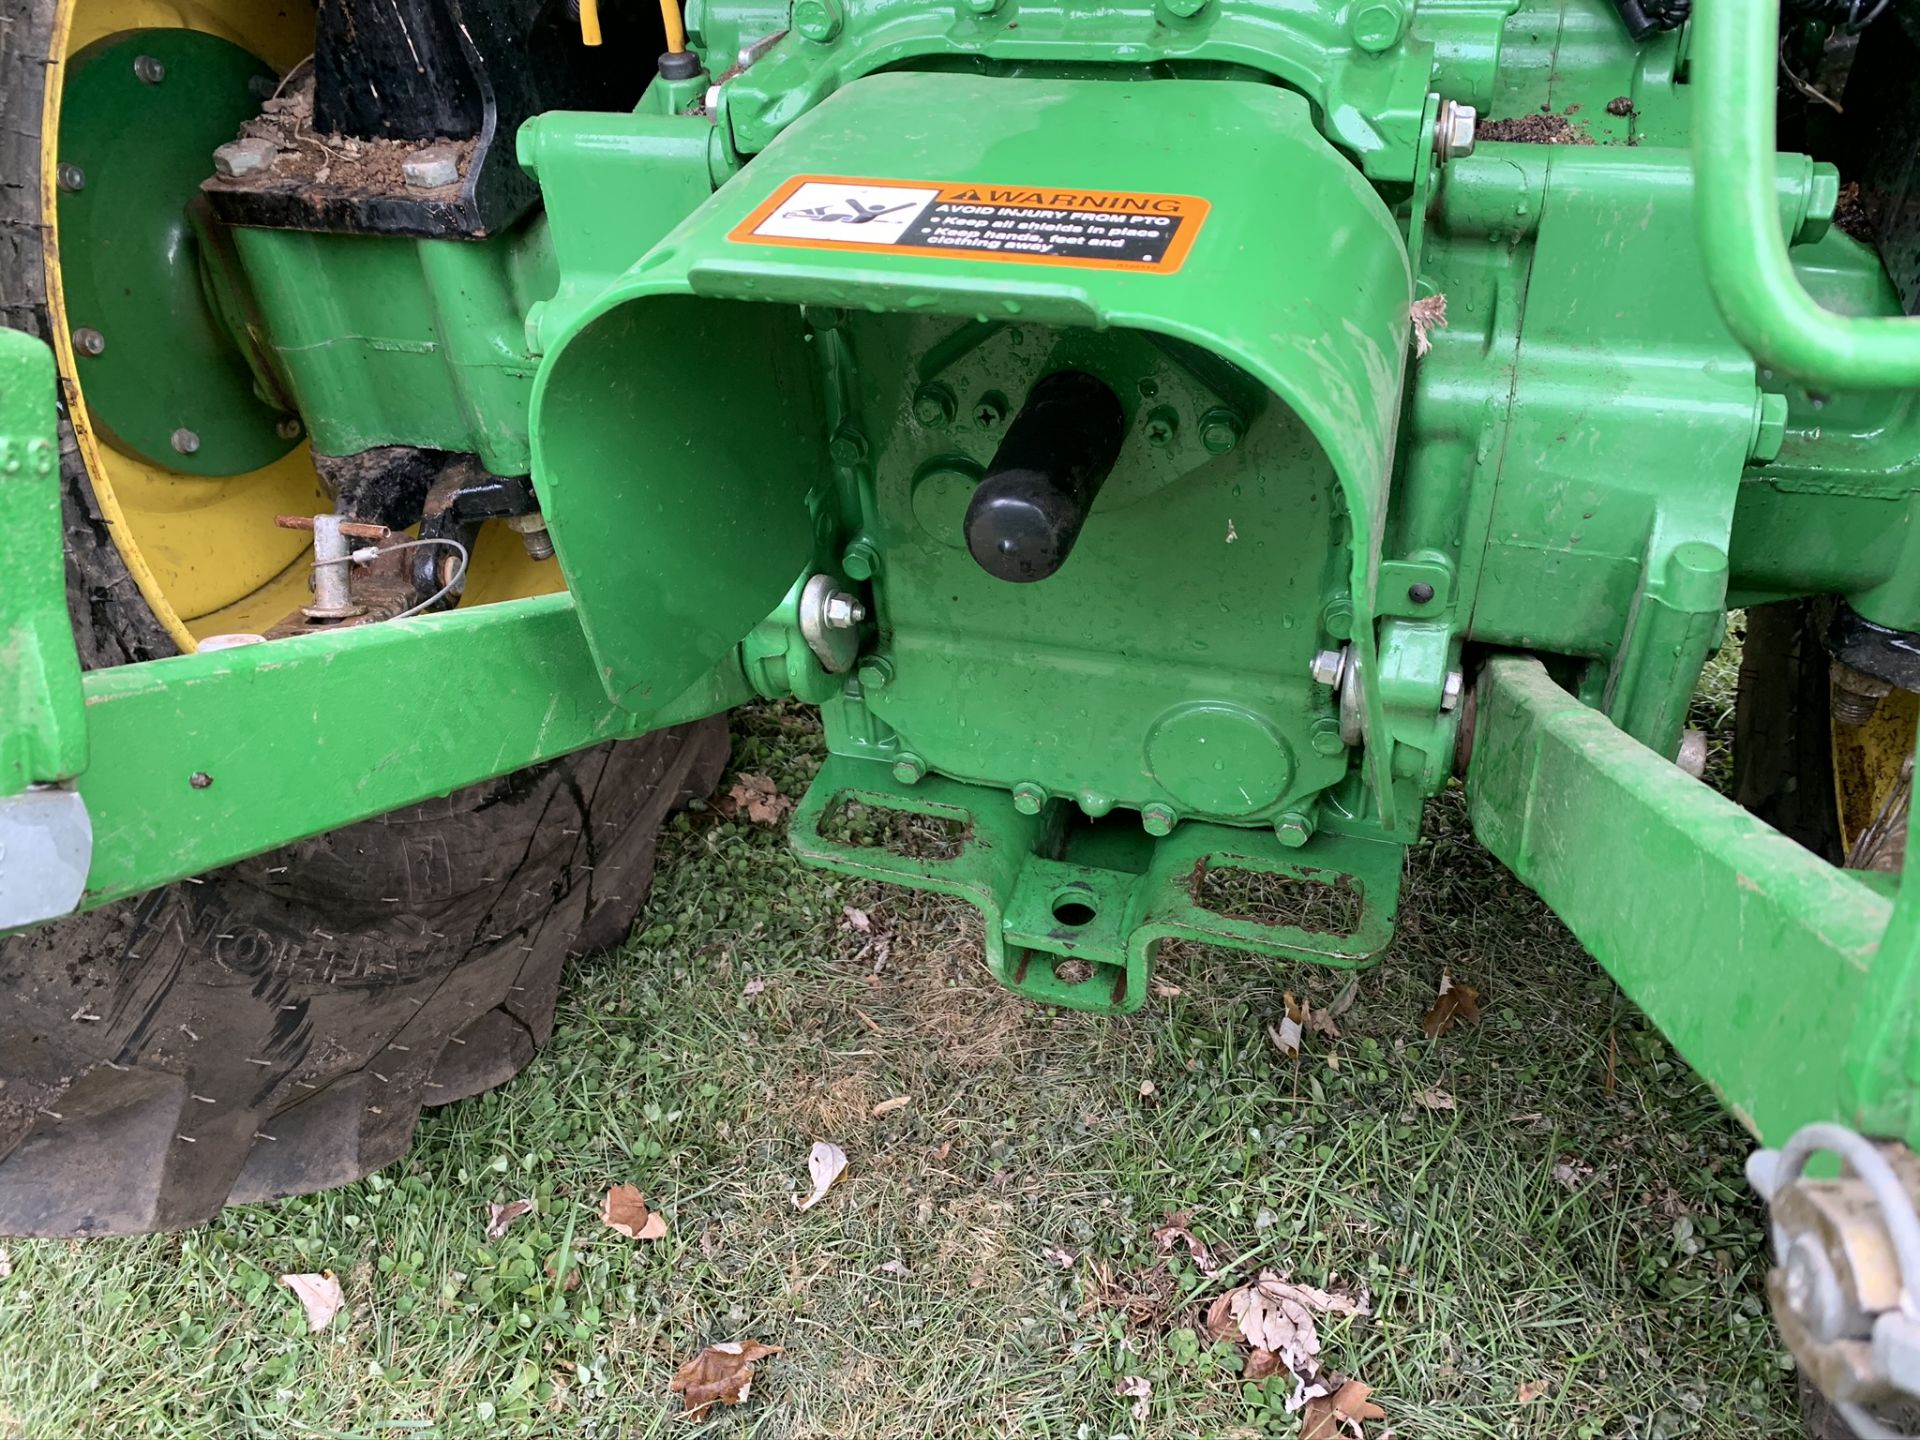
[1140, 1388]
[1146, 1089]
[941, 1151]
[1343, 1002]
[1340, 1413]
[1434, 1098]
[1059, 1255]
[1428, 314]
[887, 1107]
[1454, 1003]
[499, 1217]
[654, 1229]
[760, 798]
[319, 1294]
[1176, 1231]
[1573, 1172]
[1530, 1392]
[896, 1267]
[1286, 1035]
[718, 1375]
[625, 1210]
[824, 1164]
[1274, 1318]
[1165, 991]
[858, 919]
[753, 987]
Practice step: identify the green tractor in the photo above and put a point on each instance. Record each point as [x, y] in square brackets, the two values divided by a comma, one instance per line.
[1169, 440]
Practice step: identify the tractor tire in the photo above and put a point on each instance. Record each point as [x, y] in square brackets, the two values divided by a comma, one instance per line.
[1783, 738]
[276, 1027]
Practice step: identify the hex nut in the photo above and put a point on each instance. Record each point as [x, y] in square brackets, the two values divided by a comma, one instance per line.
[1453, 130]
[432, 167]
[1028, 798]
[1452, 690]
[1157, 819]
[842, 611]
[1327, 665]
[239, 158]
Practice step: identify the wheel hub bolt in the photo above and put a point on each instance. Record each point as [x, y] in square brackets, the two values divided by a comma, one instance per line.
[185, 441]
[70, 177]
[149, 70]
[89, 341]
[288, 429]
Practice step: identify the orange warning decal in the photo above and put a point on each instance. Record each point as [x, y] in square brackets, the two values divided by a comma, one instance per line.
[1033, 225]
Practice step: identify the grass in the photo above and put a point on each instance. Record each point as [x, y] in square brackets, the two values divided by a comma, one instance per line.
[1575, 1230]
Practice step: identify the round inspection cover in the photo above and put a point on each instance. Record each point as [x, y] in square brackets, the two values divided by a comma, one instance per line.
[1219, 759]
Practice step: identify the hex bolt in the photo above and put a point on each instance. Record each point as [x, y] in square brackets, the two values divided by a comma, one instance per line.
[533, 535]
[1376, 25]
[1855, 695]
[933, 404]
[842, 611]
[1453, 131]
[861, 559]
[875, 672]
[1220, 431]
[817, 20]
[848, 446]
[239, 158]
[1452, 689]
[149, 70]
[909, 768]
[1327, 665]
[983, 7]
[70, 177]
[1184, 9]
[89, 341]
[289, 428]
[185, 441]
[1028, 798]
[1293, 828]
[1326, 736]
[1157, 819]
[431, 167]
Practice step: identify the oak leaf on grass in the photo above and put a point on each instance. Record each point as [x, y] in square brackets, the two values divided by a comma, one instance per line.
[719, 1375]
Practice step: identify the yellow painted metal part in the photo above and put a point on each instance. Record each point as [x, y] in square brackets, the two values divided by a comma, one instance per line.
[204, 553]
[1867, 761]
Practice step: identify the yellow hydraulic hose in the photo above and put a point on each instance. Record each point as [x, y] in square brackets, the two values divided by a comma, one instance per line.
[676, 32]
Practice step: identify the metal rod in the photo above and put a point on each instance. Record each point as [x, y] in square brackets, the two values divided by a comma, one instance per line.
[1735, 53]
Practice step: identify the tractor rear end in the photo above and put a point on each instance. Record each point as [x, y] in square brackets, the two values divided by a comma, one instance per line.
[1169, 445]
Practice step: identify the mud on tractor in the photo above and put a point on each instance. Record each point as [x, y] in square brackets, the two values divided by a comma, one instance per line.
[1169, 440]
